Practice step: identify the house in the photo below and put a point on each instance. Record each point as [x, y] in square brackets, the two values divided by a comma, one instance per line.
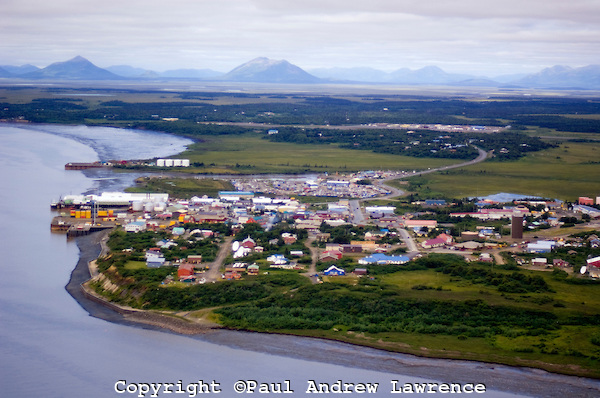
[446, 237]
[135, 226]
[334, 271]
[297, 253]
[557, 262]
[248, 243]
[185, 270]
[539, 262]
[383, 259]
[236, 267]
[288, 238]
[351, 248]
[194, 258]
[429, 224]
[436, 242]
[154, 258]
[323, 237]
[277, 259]
[330, 255]
[231, 276]
[486, 258]
[253, 269]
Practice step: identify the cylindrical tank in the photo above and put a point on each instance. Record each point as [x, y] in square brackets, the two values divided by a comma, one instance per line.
[149, 206]
[160, 162]
[137, 206]
[88, 214]
[111, 213]
[169, 162]
[73, 213]
[77, 213]
[177, 162]
[185, 162]
[160, 206]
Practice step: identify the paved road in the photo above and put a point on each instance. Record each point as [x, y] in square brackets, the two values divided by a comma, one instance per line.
[395, 192]
[357, 215]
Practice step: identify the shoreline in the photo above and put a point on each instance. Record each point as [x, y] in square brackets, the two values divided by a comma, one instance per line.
[500, 377]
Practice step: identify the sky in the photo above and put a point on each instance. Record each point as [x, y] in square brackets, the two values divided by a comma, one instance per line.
[481, 37]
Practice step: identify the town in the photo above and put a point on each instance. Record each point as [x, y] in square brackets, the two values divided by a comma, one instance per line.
[240, 234]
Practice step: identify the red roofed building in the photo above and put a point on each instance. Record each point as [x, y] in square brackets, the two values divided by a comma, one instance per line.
[185, 270]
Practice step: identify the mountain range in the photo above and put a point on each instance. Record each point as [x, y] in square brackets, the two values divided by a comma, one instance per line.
[265, 70]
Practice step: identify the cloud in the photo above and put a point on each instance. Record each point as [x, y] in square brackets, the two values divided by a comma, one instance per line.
[388, 34]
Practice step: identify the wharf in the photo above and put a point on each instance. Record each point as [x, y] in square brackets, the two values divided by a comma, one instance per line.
[65, 224]
[83, 166]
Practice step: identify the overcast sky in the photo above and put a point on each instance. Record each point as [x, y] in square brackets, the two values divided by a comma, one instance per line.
[471, 36]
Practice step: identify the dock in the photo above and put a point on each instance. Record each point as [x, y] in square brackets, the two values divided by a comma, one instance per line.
[83, 166]
[78, 227]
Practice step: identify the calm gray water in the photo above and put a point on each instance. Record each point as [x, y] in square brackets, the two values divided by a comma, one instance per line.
[51, 347]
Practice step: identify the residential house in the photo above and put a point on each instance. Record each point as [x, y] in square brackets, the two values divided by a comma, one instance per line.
[194, 258]
[253, 269]
[431, 243]
[334, 271]
[277, 259]
[185, 270]
[383, 259]
[248, 243]
[288, 238]
[330, 255]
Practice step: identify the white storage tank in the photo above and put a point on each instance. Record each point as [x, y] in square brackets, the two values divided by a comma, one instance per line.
[137, 206]
[160, 162]
[169, 162]
[185, 162]
[148, 207]
[177, 162]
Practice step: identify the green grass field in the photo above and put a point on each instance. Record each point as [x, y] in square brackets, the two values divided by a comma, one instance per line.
[566, 172]
[252, 154]
[182, 187]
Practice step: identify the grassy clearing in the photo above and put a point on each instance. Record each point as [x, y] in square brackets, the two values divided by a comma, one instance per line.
[566, 172]
[182, 187]
[250, 153]
[135, 265]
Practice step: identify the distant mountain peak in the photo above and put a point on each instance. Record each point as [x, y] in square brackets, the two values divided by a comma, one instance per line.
[265, 70]
[77, 68]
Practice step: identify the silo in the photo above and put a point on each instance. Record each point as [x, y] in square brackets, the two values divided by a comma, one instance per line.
[517, 226]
